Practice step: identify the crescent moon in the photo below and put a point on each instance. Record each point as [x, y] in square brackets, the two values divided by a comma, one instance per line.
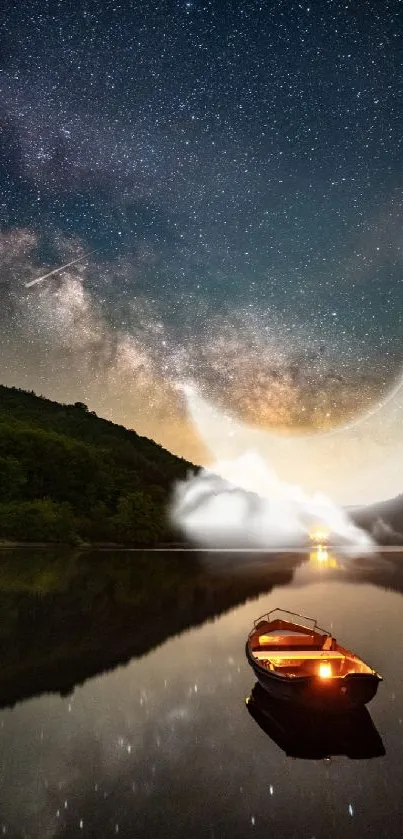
[355, 464]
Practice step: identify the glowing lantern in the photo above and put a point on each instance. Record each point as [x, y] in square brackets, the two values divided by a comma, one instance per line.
[325, 670]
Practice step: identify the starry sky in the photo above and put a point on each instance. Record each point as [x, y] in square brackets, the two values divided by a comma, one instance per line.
[231, 174]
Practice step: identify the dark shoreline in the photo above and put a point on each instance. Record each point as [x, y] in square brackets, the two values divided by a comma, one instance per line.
[115, 546]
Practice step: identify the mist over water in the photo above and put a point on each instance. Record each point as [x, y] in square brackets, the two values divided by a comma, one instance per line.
[243, 503]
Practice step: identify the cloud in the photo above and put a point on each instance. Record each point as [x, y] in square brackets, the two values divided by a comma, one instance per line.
[241, 503]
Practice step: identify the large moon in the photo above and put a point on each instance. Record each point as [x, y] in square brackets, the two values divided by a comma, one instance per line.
[356, 464]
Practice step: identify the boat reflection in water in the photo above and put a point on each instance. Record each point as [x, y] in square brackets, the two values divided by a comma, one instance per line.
[302, 733]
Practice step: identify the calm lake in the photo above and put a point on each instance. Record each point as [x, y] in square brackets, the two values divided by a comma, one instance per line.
[123, 686]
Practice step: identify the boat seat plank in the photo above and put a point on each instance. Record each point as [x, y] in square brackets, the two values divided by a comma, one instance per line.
[297, 654]
[292, 638]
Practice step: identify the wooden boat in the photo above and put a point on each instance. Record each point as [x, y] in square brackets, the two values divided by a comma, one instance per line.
[297, 661]
[303, 733]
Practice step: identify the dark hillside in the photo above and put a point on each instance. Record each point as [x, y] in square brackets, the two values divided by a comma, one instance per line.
[66, 474]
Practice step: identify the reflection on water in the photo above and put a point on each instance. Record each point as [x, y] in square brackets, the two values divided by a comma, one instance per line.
[302, 733]
[67, 617]
[321, 557]
[129, 674]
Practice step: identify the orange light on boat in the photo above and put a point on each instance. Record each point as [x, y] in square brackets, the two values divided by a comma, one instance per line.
[325, 670]
[270, 639]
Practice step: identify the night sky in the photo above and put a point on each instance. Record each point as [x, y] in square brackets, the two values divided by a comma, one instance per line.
[237, 169]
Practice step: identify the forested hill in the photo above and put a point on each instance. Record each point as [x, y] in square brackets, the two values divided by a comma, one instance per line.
[66, 475]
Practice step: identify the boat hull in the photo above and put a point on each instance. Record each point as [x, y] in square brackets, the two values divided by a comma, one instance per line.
[336, 694]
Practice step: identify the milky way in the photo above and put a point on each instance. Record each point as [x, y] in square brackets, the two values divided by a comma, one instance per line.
[237, 167]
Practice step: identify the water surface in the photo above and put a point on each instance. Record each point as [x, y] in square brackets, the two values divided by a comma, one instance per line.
[123, 697]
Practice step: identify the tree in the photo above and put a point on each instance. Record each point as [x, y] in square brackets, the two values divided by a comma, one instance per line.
[12, 478]
[136, 519]
[41, 520]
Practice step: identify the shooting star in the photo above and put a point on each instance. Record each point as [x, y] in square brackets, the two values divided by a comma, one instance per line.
[57, 270]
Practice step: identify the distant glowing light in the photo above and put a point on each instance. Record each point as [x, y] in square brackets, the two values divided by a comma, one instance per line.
[325, 670]
[319, 535]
